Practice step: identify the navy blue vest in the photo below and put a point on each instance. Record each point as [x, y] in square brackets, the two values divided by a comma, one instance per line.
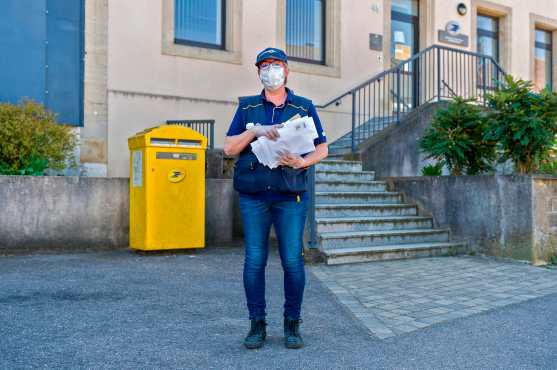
[250, 176]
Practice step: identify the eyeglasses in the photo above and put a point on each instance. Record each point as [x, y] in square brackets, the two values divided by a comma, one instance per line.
[266, 65]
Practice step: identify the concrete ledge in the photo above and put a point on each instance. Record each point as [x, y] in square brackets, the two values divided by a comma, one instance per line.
[505, 216]
[63, 212]
[79, 213]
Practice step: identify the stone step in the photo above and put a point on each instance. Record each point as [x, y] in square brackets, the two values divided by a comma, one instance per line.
[357, 197]
[342, 142]
[370, 210]
[359, 239]
[346, 142]
[392, 252]
[340, 224]
[343, 185]
[340, 149]
[339, 166]
[339, 153]
[344, 175]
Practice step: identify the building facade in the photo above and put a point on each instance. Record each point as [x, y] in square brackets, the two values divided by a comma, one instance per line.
[149, 61]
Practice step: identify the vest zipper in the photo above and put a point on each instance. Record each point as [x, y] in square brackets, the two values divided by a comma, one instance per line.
[273, 116]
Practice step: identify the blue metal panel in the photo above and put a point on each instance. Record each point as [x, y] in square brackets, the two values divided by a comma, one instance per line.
[22, 50]
[41, 55]
[64, 58]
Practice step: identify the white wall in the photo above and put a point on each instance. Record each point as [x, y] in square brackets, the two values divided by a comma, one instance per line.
[147, 87]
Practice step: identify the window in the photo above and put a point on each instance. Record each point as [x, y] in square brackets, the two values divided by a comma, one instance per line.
[200, 23]
[543, 60]
[488, 36]
[404, 29]
[305, 30]
[408, 7]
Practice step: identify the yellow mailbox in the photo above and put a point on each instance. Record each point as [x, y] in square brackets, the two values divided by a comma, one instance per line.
[167, 188]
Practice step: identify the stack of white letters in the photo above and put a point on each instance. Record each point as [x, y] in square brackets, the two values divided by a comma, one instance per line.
[296, 137]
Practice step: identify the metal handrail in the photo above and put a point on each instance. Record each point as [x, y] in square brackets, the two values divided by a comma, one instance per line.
[401, 64]
[387, 97]
[412, 83]
[451, 91]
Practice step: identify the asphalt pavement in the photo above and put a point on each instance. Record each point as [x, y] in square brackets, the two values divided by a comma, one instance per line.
[121, 310]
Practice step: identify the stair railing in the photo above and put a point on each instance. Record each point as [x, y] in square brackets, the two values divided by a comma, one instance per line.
[434, 74]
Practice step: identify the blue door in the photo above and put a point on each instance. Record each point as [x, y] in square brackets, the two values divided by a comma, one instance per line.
[41, 55]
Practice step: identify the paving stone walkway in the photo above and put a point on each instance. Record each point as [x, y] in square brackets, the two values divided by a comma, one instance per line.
[397, 297]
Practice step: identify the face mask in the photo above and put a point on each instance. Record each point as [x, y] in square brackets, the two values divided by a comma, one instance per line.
[272, 77]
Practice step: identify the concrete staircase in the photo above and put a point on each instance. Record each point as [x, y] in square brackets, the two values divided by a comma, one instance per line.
[358, 220]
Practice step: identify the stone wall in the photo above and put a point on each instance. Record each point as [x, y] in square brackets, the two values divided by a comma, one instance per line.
[544, 211]
[395, 150]
[85, 212]
[505, 216]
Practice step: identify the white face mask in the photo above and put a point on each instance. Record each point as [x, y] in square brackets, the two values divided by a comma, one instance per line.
[272, 77]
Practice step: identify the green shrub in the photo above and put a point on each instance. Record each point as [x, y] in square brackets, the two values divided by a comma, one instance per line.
[548, 167]
[433, 169]
[31, 140]
[456, 138]
[523, 124]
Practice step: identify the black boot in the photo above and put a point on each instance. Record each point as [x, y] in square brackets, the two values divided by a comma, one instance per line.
[257, 334]
[292, 338]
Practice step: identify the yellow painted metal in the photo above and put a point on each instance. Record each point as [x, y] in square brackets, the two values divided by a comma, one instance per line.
[167, 188]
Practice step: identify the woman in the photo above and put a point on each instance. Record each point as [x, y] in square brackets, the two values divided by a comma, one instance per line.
[272, 196]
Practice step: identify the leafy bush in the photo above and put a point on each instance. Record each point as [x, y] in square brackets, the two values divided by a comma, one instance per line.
[523, 123]
[31, 140]
[433, 169]
[456, 138]
[548, 167]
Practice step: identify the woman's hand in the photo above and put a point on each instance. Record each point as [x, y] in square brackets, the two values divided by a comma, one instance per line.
[292, 160]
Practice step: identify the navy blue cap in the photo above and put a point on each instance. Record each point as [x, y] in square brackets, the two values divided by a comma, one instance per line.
[273, 53]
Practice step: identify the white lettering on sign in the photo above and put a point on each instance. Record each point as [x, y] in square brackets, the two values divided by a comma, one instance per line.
[137, 169]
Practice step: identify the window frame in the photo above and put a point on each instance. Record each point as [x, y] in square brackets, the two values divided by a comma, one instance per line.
[546, 47]
[233, 52]
[323, 60]
[413, 20]
[494, 35]
[221, 46]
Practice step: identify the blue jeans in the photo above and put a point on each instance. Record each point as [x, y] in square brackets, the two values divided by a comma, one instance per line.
[289, 218]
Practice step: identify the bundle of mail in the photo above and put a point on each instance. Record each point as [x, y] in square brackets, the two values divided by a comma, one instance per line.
[296, 137]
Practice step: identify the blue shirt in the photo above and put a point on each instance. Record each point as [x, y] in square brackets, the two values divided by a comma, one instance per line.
[273, 115]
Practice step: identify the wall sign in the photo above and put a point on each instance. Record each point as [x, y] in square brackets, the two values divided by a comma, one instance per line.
[375, 42]
[453, 28]
[460, 40]
[451, 35]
